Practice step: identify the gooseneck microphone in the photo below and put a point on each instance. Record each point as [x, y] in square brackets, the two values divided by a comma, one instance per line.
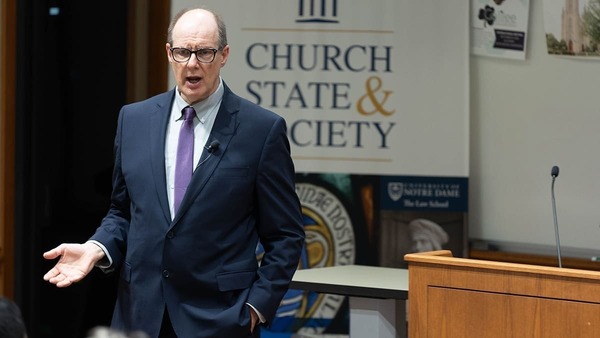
[554, 174]
[212, 147]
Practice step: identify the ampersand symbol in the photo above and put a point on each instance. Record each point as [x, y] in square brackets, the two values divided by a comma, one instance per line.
[373, 84]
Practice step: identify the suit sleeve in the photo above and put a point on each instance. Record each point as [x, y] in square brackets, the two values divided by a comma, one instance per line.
[112, 232]
[280, 225]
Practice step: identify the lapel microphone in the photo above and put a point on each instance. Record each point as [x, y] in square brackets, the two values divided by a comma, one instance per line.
[212, 147]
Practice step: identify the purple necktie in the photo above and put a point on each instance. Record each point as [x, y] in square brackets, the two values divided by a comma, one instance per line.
[185, 155]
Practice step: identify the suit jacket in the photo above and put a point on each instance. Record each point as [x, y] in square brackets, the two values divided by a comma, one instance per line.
[202, 265]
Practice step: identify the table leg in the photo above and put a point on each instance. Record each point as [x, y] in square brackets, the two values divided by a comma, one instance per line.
[377, 318]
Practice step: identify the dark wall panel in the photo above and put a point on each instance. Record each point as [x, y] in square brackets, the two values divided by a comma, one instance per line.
[71, 84]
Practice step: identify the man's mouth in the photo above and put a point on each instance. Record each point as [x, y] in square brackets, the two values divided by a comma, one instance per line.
[193, 79]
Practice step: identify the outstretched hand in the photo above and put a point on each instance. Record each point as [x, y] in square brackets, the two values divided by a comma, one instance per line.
[76, 261]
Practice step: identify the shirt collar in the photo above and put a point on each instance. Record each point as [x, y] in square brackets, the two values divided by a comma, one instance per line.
[202, 108]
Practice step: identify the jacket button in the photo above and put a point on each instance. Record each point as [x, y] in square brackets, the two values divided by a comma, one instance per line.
[170, 234]
[166, 273]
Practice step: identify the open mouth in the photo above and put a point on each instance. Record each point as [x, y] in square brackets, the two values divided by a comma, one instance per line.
[193, 79]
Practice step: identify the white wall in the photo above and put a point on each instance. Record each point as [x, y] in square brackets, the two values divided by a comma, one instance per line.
[527, 116]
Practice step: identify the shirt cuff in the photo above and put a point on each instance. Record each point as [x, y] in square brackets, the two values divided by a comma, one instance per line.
[260, 316]
[105, 262]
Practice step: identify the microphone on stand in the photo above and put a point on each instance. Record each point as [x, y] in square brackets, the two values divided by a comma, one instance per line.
[554, 174]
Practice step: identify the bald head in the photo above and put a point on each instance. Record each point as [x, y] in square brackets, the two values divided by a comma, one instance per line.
[201, 16]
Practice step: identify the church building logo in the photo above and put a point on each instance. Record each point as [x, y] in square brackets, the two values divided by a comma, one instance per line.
[317, 11]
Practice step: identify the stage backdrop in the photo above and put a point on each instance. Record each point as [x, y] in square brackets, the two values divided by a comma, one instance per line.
[375, 95]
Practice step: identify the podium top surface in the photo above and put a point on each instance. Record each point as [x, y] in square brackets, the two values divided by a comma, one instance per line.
[444, 258]
[354, 280]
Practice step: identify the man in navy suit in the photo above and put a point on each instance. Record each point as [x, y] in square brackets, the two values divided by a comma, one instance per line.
[191, 270]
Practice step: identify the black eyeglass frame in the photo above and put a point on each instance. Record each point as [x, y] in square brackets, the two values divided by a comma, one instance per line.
[195, 52]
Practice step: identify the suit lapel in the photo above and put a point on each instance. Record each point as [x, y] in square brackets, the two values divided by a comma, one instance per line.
[223, 130]
[158, 130]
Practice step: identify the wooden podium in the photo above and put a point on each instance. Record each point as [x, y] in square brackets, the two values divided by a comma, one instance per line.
[460, 297]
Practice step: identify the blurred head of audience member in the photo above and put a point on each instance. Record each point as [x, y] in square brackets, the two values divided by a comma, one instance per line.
[106, 332]
[12, 324]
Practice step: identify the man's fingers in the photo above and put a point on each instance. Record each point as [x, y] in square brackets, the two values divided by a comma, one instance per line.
[71, 268]
[51, 274]
[64, 283]
[58, 279]
[51, 254]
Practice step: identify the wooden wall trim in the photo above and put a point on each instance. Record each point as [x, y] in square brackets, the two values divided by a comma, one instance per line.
[8, 28]
[158, 65]
[148, 68]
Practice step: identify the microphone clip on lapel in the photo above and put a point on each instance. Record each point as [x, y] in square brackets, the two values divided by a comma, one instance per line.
[211, 148]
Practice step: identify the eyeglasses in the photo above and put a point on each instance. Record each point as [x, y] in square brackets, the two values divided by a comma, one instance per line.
[204, 55]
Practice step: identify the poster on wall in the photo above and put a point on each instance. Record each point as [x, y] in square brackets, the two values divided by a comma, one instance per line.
[369, 220]
[572, 28]
[499, 28]
[376, 102]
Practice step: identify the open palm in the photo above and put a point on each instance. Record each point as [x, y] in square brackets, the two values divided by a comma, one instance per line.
[76, 261]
